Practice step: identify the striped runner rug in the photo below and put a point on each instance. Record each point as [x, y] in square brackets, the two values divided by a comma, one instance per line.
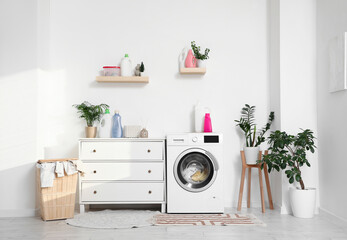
[206, 219]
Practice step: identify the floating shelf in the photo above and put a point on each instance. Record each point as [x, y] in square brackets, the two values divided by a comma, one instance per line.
[192, 70]
[118, 79]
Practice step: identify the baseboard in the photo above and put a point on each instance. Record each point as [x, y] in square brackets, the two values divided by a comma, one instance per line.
[333, 214]
[18, 212]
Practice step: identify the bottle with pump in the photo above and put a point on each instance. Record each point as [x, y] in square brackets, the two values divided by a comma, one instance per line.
[105, 125]
[117, 131]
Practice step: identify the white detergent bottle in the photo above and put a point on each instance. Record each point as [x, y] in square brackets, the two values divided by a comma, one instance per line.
[105, 127]
[200, 112]
[126, 69]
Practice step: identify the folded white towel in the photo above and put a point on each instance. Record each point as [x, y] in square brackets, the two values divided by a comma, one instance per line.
[59, 169]
[47, 174]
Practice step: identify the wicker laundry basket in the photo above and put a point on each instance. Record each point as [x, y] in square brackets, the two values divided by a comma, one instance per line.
[57, 202]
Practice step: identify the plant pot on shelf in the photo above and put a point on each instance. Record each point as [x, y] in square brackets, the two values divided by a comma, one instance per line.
[91, 132]
[303, 202]
[201, 63]
[251, 154]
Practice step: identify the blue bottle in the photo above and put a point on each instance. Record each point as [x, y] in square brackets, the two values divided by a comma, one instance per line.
[117, 131]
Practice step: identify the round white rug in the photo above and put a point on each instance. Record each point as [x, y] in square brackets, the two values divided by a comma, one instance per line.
[114, 219]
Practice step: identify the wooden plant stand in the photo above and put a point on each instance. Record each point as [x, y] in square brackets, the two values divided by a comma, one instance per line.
[250, 166]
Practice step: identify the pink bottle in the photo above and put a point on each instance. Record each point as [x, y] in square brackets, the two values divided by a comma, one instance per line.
[208, 124]
[190, 60]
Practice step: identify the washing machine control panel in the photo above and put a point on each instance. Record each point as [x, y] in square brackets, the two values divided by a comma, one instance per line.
[194, 139]
[211, 139]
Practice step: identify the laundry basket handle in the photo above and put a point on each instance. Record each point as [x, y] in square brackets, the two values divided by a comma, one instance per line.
[57, 160]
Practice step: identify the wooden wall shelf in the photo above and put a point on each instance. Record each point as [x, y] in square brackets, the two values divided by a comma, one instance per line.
[192, 70]
[119, 79]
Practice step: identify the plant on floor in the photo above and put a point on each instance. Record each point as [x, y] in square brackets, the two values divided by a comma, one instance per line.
[197, 54]
[249, 128]
[289, 151]
[91, 113]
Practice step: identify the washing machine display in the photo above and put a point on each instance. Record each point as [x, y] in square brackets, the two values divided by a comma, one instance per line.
[195, 170]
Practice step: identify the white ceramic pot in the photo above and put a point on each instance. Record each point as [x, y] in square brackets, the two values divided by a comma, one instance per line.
[251, 154]
[303, 202]
[201, 63]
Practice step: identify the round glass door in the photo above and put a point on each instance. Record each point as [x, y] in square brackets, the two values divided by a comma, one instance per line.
[195, 170]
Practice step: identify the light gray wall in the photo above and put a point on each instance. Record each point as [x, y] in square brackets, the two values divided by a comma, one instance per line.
[332, 111]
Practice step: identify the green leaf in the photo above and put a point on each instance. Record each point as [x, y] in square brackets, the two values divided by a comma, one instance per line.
[298, 177]
[291, 180]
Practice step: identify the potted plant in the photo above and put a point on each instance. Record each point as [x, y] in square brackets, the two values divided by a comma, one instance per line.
[91, 113]
[249, 128]
[289, 152]
[200, 56]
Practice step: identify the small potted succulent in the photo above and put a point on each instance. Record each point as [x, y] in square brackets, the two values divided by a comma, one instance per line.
[288, 152]
[91, 113]
[201, 57]
[252, 137]
[142, 70]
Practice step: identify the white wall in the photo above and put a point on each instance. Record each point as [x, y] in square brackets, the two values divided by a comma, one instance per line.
[76, 38]
[293, 80]
[332, 116]
[18, 106]
[83, 39]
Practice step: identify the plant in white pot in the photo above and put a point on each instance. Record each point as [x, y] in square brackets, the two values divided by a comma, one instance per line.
[91, 113]
[288, 152]
[201, 57]
[249, 128]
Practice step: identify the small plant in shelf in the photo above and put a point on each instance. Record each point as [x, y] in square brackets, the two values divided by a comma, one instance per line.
[200, 56]
[142, 70]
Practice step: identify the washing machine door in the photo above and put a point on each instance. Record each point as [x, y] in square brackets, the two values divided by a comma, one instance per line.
[195, 170]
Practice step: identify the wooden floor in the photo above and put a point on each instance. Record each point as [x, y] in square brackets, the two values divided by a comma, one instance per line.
[281, 227]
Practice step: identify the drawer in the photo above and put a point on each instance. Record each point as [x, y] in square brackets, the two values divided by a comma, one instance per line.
[122, 150]
[122, 192]
[124, 171]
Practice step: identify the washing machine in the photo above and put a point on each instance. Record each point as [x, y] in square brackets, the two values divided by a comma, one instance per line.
[195, 173]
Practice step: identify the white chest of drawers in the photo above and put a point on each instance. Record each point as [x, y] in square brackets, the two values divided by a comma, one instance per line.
[122, 171]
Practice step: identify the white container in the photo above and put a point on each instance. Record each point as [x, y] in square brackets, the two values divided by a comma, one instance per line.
[126, 68]
[132, 131]
[111, 70]
[201, 63]
[303, 202]
[105, 127]
[200, 112]
[182, 57]
[251, 154]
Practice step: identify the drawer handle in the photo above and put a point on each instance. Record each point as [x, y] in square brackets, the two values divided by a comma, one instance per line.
[95, 192]
[149, 171]
[94, 150]
[149, 150]
[149, 192]
[94, 171]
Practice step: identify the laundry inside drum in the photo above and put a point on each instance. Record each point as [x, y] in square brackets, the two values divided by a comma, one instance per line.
[195, 169]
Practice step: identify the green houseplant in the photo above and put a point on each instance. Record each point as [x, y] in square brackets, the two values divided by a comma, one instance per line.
[253, 138]
[288, 152]
[201, 57]
[91, 113]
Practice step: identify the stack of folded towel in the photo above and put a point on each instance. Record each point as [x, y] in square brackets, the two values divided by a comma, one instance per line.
[49, 169]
